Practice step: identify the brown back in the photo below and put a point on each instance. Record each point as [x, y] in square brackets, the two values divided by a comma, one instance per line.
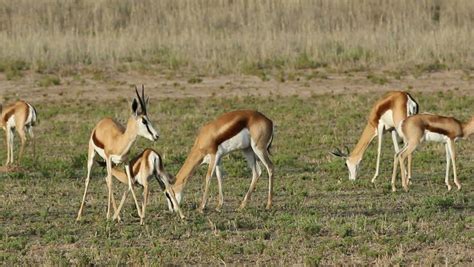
[447, 126]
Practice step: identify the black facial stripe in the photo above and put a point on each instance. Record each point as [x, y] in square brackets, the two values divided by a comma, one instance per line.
[169, 198]
[148, 129]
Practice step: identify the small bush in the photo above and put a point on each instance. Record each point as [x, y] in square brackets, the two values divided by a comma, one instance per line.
[194, 80]
[439, 202]
[49, 80]
[377, 79]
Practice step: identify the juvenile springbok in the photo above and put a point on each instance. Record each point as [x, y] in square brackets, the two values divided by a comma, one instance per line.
[385, 115]
[146, 165]
[246, 130]
[434, 128]
[112, 142]
[21, 116]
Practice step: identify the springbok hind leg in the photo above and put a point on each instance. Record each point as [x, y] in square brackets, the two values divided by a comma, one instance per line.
[22, 134]
[453, 160]
[403, 155]
[252, 162]
[262, 154]
[448, 162]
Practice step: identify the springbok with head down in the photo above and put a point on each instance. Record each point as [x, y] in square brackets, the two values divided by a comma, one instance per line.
[146, 165]
[112, 142]
[385, 115]
[246, 130]
[429, 127]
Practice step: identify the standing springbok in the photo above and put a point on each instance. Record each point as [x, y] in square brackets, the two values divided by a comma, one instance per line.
[246, 130]
[434, 128]
[385, 115]
[146, 165]
[112, 142]
[21, 116]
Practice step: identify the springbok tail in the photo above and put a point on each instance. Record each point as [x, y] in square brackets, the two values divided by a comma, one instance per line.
[412, 105]
[271, 141]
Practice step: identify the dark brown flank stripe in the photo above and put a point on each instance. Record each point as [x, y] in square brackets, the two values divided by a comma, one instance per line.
[96, 141]
[231, 131]
[439, 131]
[8, 115]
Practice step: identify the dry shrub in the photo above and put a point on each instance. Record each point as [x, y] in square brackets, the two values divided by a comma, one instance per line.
[217, 36]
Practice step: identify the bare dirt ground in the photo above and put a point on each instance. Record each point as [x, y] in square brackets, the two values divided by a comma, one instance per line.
[113, 85]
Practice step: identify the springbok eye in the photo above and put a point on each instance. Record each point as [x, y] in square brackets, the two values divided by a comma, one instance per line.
[144, 121]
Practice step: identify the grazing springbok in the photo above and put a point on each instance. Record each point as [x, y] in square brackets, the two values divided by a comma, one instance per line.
[385, 115]
[428, 127]
[146, 165]
[112, 142]
[246, 130]
[21, 116]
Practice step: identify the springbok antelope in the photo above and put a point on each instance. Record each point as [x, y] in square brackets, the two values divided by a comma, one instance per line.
[418, 128]
[21, 116]
[246, 130]
[146, 165]
[112, 142]
[385, 115]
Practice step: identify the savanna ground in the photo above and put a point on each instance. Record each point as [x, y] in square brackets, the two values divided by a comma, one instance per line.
[314, 67]
[319, 216]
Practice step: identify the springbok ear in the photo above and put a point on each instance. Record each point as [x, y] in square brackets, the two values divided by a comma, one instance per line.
[135, 106]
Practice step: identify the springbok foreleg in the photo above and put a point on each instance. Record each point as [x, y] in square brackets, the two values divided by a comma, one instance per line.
[90, 161]
[130, 187]
[219, 185]
[210, 171]
[380, 129]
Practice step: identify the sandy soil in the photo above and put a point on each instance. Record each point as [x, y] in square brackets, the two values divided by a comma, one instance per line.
[159, 86]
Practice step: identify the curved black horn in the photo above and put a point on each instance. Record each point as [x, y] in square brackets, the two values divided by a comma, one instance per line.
[140, 99]
[338, 153]
[143, 99]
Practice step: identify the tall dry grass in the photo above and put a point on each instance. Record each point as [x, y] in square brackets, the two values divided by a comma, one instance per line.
[214, 36]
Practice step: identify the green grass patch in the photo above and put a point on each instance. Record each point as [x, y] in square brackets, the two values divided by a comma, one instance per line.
[319, 217]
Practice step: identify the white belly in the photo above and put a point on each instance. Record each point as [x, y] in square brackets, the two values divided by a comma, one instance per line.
[435, 137]
[239, 141]
[387, 119]
[115, 158]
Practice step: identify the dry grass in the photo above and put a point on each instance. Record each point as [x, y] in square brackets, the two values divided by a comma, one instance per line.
[237, 36]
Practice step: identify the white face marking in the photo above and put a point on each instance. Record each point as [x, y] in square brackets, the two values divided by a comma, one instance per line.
[145, 129]
[352, 170]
